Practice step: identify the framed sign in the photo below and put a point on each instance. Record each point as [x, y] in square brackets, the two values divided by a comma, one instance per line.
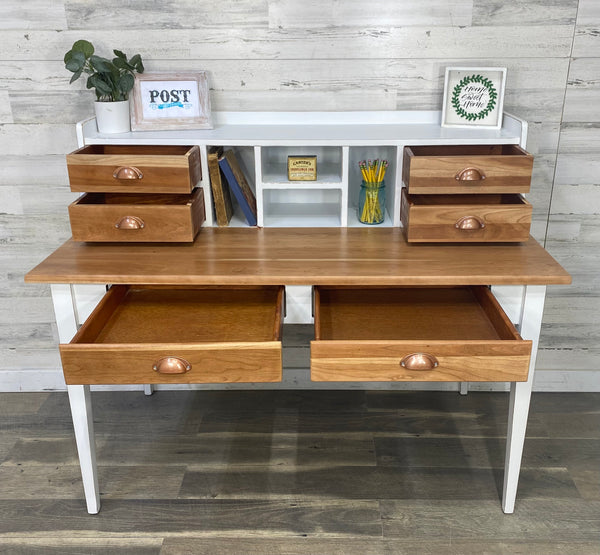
[473, 97]
[171, 101]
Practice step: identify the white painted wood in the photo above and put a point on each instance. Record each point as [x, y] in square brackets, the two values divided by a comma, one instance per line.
[314, 129]
[530, 324]
[83, 423]
[64, 311]
[258, 175]
[148, 389]
[205, 184]
[463, 388]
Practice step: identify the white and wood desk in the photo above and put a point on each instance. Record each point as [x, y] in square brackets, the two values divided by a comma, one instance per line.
[358, 257]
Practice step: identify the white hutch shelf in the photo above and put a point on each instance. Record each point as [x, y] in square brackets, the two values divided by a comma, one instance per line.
[263, 140]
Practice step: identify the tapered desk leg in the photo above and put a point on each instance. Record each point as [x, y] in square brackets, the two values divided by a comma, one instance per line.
[63, 298]
[83, 423]
[532, 309]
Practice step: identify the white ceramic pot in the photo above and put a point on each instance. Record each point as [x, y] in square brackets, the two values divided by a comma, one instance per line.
[112, 117]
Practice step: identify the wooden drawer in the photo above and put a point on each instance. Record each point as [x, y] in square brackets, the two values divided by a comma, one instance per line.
[140, 334]
[137, 217]
[134, 169]
[465, 218]
[467, 169]
[415, 334]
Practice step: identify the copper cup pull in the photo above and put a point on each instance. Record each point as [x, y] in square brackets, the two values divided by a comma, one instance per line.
[127, 172]
[470, 174]
[419, 361]
[172, 365]
[130, 222]
[469, 223]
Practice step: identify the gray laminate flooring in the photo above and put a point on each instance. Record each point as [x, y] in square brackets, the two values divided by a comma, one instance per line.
[299, 473]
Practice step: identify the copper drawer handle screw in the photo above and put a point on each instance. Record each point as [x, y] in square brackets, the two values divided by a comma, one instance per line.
[130, 222]
[469, 223]
[419, 361]
[470, 174]
[128, 172]
[172, 365]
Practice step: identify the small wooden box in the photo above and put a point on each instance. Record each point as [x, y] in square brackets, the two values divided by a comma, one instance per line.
[466, 169]
[302, 168]
[465, 218]
[134, 169]
[137, 217]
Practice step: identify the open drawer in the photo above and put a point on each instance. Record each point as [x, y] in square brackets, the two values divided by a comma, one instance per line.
[123, 217]
[146, 334]
[465, 218]
[415, 334]
[466, 169]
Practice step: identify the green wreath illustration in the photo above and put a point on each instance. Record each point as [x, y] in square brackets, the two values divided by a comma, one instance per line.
[473, 116]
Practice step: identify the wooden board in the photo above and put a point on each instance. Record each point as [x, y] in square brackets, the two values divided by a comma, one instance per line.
[138, 169]
[437, 218]
[366, 335]
[159, 218]
[301, 256]
[224, 335]
[445, 169]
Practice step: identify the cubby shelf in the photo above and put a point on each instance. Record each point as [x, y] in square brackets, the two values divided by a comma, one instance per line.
[262, 142]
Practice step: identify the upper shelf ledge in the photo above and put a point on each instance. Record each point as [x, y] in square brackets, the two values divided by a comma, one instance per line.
[395, 128]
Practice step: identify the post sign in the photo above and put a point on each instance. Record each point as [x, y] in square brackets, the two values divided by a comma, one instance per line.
[171, 101]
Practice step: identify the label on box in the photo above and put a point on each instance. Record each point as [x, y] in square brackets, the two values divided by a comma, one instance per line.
[302, 168]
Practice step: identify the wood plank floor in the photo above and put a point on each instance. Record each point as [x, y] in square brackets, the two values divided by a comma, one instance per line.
[299, 473]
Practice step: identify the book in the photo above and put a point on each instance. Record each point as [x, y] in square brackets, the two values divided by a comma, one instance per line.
[220, 189]
[239, 185]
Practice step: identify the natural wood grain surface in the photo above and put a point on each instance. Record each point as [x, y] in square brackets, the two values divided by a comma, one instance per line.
[437, 170]
[163, 218]
[162, 169]
[225, 335]
[434, 218]
[364, 334]
[240, 256]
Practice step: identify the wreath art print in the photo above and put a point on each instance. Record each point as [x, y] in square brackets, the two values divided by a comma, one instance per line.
[473, 97]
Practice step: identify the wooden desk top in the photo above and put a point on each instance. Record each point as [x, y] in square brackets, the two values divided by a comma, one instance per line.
[300, 256]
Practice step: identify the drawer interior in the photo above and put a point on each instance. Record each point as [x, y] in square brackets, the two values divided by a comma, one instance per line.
[132, 314]
[468, 150]
[137, 150]
[467, 200]
[415, 313]
[123, 199]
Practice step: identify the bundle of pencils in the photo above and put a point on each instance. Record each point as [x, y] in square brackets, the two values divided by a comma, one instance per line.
[373, 172]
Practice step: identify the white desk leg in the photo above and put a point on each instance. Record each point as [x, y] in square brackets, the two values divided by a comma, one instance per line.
[463, 388]
[65, 311]
[83, 423]
[148, 389]
[532, 309]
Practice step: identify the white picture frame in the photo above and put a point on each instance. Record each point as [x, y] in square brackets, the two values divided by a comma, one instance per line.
[167, 101]
[473, 97]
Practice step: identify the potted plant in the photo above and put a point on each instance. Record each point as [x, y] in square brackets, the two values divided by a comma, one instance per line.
[112, 80]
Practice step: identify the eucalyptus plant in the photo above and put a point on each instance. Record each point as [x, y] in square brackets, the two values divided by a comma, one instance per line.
[112, 79]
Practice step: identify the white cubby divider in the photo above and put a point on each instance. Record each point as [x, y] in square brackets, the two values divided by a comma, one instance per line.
[263, 140]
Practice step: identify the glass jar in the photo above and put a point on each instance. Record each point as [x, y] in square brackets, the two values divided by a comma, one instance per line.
[371, 203]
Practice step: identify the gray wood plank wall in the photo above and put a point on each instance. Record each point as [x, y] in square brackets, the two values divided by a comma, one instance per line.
[285, 55]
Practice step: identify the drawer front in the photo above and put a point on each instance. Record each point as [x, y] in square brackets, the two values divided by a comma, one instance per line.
[212, 363]
[164, 334]
[158, 219]
[467, 169]
[465, 222]
[134, 169]
[346, 361]
[415, 334]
